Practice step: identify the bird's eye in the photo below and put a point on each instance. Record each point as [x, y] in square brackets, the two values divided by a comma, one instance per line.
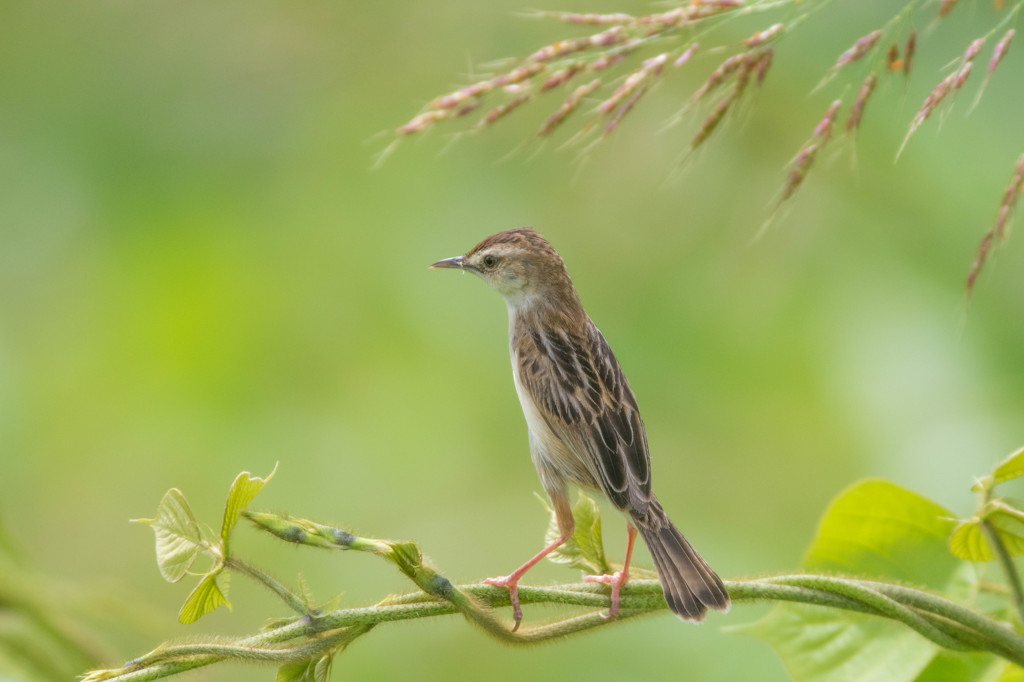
[490, 261]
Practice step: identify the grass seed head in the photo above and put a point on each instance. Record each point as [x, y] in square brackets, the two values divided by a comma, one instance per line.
[1000, 51]
[858, 49]
[823, 130]
[1010, 197]
[595, 19]
[762, 37]
[686, 55]
[798, 170]
[961, 76]
[568, 106]
[626, 107]
[650, 68]
[908, 52]
[892, 58]
[562, 76]
[424, 121]
[764, 62]
[719, 75]
[973, 49]
[857, 110]
[712, 120]
[503, 110]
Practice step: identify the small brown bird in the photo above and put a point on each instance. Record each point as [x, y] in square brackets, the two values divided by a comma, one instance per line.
[584, 424]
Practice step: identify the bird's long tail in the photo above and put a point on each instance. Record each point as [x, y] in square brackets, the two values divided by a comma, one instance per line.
[689, 584]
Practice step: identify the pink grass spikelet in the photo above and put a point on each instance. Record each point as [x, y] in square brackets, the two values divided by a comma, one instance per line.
[761, 37]
[1010, 196]
[616, 56]
[961, 76]
[950, 83]
[764, 62]
[424, 121]
[517, 75]
[562, 76]
[798, 171]
[997, 233]
[559, 49]
[568, 106]
[454, 99]
[1000, 51]
[686, 55]
[908, 52]
[712, 120]
[805, 157]
[718, 4]
[563, 47]
[467, 107]
[606, 38]
[503, 110]
[604, 62]
[650, 68]
[668, 19]
[979, 261]
[858, 49]
[595, 19]
[824, 128]
[857, 110]
[626, 107]
[973, 49]
[718, 76]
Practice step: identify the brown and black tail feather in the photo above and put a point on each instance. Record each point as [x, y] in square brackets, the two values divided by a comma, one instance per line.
[689, 584]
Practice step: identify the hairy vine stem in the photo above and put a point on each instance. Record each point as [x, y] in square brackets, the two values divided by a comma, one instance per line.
[310, 636]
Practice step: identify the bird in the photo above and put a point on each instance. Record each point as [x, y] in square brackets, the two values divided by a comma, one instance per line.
[582, 418]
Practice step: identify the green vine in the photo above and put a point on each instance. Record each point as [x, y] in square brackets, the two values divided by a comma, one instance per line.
[304, 645]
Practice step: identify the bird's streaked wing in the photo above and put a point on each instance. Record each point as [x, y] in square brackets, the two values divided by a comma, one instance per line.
[587, 402]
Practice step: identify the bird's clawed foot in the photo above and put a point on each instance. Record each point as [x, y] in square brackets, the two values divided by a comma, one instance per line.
[512, 583]
[616, 580]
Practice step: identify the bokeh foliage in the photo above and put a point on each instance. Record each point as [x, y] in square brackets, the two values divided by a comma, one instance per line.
[200, 275]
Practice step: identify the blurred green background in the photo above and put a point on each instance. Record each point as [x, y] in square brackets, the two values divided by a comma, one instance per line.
[200, 274]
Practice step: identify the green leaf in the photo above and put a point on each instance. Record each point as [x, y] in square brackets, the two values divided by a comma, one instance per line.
[970, 542]
[585, 549]
[405, 555]
[874, 529]
[322, 671]
[820, 644]
[950, 667]
[1010, 468]
[178, 540]
[1010, 527]
[299, 671]
[1011, 673]
[313, 670]
[205, 598]
[243, 490]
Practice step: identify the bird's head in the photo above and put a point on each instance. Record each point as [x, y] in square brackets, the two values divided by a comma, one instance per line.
[519, 264]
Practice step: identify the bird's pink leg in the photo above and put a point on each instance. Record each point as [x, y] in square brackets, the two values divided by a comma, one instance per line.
[511, 581]
[619, 578]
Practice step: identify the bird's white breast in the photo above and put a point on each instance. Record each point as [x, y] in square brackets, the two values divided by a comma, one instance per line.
[553, 457]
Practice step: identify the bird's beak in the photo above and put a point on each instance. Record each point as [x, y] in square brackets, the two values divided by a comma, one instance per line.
[454, 262]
